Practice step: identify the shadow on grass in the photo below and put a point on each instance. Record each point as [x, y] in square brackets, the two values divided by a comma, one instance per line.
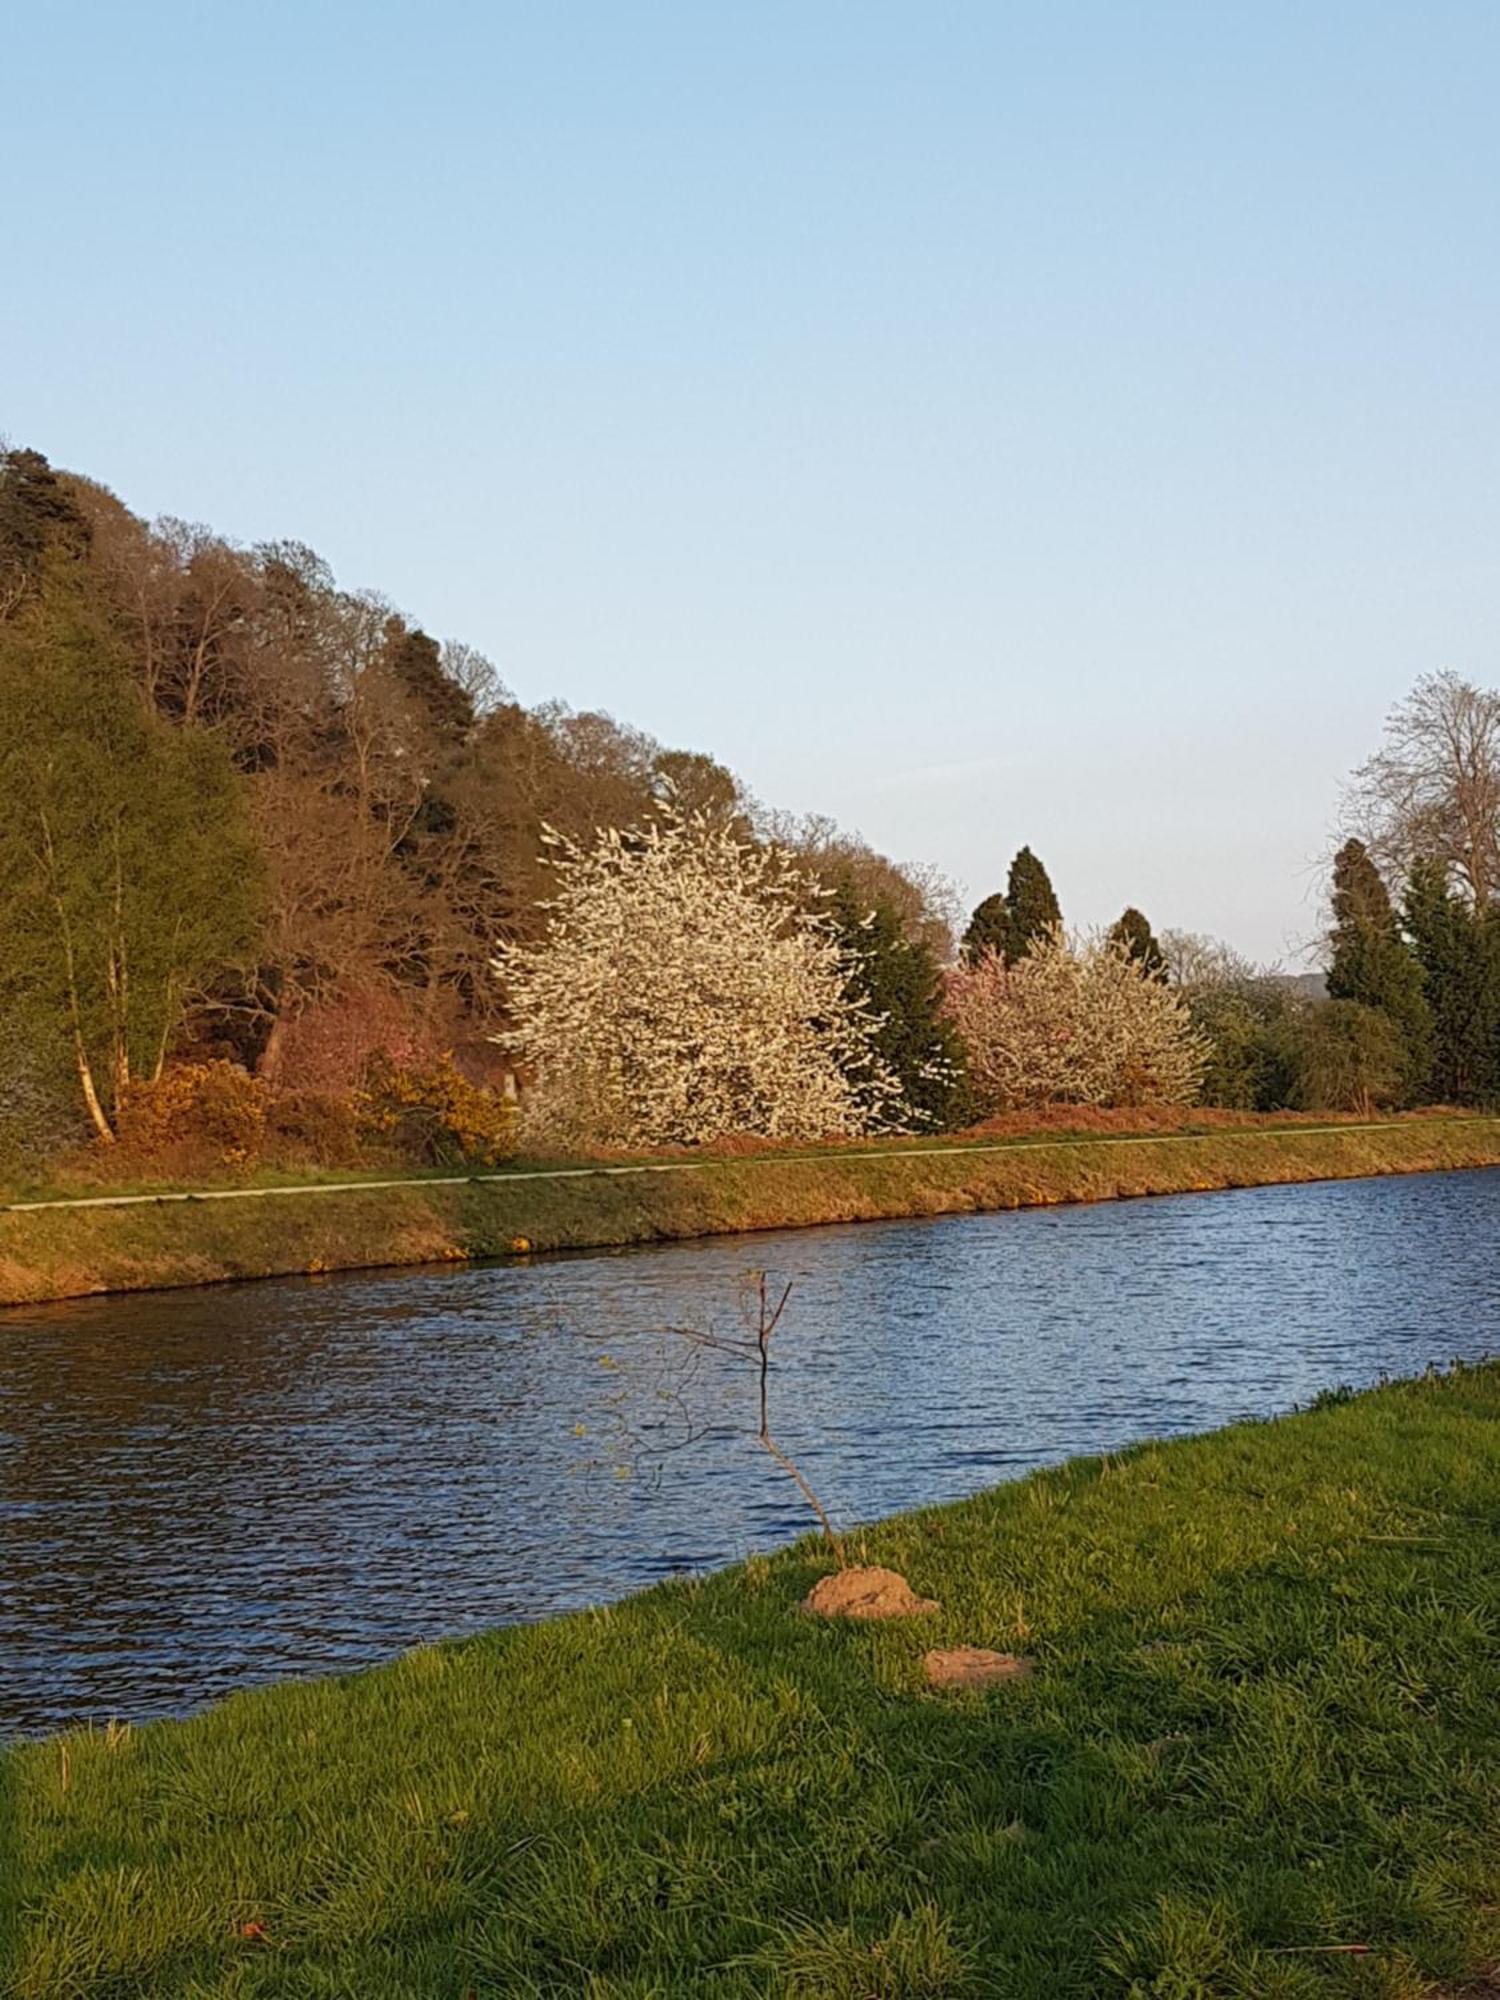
[1208, 1788]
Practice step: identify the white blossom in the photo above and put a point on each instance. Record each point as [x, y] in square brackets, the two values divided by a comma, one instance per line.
[684, 993]
[1077, 1023]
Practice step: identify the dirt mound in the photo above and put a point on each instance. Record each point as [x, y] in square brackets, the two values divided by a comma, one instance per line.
[865, 1593]
[972, 1667]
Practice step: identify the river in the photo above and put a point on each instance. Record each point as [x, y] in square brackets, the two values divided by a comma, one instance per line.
[203, 1490]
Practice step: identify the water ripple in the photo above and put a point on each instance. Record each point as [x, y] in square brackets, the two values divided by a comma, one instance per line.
[202, 1490]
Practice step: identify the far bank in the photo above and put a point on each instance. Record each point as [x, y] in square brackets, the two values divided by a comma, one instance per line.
[120, 1243]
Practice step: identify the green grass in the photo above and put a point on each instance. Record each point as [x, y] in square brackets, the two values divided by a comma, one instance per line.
[66, 1252]
[1262, 1723]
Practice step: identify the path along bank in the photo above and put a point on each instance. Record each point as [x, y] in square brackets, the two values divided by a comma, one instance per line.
[115, 1242]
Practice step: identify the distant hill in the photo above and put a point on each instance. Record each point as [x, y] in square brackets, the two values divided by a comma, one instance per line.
[1311, 985]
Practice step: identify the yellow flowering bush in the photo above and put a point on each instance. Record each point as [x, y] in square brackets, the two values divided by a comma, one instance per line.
[211, 1110]
[431, 1112]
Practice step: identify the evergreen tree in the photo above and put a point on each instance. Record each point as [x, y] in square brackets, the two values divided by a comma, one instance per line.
[39, 517]
[1371, 963]
[1458, 949]
[1349, 1057]
[1031, 906]
[1131, 930]
[900, 981]
[416, 660]
[989, 928]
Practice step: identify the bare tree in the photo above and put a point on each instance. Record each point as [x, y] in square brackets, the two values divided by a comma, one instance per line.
[476, 674]
[755, 1347]
[926, 902]
[1433, 791]
[1194, 960]
[758, 1346]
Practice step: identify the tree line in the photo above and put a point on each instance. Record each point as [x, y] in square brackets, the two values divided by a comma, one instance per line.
[269, 850]
[250, 817]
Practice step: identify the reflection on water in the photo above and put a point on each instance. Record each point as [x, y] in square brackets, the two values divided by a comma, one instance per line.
[201, 1490]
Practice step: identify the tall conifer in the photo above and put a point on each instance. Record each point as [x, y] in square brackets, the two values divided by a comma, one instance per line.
[899, 980]
[1370, 961]
[1031, 905]
[1134, 934]
[1458, 949]
[989, 928]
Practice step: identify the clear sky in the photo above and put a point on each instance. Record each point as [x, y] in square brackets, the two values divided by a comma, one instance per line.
[987, 423]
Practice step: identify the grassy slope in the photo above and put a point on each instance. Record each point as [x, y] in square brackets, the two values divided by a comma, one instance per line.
[65, 1252]
[1263, 1722]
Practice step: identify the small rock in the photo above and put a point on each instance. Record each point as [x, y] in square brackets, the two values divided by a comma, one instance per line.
[865, 1593]
[973, 1667]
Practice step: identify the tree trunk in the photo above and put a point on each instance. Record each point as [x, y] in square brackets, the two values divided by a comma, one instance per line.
[102, 1127]
[103, 1130]
[119, 992]
[269, 1066]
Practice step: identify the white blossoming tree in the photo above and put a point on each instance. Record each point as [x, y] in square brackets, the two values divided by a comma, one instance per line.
[683, 993]
[1074, 1024]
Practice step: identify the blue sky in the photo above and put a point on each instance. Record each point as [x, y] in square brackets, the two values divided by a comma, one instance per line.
[1072, 424]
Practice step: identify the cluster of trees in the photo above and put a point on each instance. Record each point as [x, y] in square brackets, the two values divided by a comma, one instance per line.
[695, 982]
[250, 818]
[1411, 1009]
[1424, 964]
[1044, 1019]
[247, 815]
[1272, 1043]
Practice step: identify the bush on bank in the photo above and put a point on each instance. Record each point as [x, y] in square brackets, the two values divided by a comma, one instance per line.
[206, 1120]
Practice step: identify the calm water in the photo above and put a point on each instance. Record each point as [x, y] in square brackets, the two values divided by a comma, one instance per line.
[200, 1490]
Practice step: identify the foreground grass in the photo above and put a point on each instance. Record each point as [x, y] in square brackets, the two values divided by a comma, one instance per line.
[66, 1252]
[1262, 1725]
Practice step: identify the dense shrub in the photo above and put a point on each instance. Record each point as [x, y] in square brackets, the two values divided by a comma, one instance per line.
[211, 1111]
[1076, 1025]
[319, 1126]
[434, 1115]
[1251, 1029]
[684, 993]
[1350, 1058]
[1273, 1049]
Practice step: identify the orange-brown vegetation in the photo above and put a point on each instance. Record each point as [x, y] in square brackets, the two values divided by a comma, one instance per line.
[59, 1252]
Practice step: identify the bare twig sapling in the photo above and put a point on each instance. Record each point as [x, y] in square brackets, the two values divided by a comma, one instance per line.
[757, 1349]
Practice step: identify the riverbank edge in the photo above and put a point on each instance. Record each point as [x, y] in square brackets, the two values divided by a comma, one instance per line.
[61, 1252]
[1187, 1600]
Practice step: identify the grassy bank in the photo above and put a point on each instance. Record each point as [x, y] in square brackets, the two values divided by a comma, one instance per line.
[1261, 1727]
[62, 1252]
